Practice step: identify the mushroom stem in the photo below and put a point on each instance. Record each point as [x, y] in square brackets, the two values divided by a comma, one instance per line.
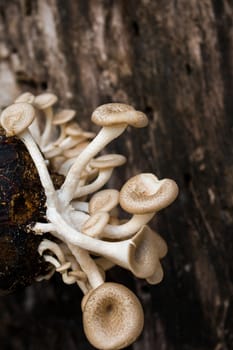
[75, 267]
[27, 139]
[88, 265]
[102, 178]
[45, 137]
[127, 229]
[138, 254]
[82, 206]
[61, 136]
[78, 219]
[40, 227]
[106, 135]
[104, 263]
[35, 130]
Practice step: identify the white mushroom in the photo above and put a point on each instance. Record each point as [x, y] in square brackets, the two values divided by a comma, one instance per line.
[138, 254]
[112, 317]
[104, 164]
[142, 195]
[88, 265]
[114, 118]
[99, 206]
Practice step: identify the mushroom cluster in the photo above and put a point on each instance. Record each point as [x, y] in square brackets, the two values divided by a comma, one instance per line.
[86, 235]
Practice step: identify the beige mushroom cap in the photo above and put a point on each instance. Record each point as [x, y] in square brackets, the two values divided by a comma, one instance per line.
[76, 150]
[112, 317]
[45, 100]
[118, 113]
[64, 116]
[73, 129]
[108, 161]
[104, 200]
[144, 193]
[95, 224]
[17, 117]
[25, 97]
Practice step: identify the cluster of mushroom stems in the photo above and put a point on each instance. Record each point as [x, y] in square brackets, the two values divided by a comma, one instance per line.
[89, 237]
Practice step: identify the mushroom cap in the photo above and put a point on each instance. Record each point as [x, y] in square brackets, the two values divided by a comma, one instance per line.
[143, 255]
[145, 193]
[25, 97]
[64, 116]
[104, 200]
[73, 129]
[76, 150]
[112, 316]
[108, 161]
[17, 117]
[45, 100]
[95, 224]
[118, 113]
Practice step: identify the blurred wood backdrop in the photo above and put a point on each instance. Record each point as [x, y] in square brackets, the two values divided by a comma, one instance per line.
[172, 59]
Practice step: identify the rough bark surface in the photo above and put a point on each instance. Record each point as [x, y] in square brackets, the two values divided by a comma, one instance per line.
[172, 59]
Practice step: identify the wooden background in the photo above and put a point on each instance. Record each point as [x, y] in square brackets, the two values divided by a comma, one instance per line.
[172, 59]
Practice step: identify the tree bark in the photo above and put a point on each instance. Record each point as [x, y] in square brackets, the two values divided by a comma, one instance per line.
[171, 59]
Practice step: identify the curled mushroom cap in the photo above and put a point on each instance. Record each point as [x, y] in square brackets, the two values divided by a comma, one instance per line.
[144, 193]
[45, 100]
[112, 316]
[17, 117]
[118, 113]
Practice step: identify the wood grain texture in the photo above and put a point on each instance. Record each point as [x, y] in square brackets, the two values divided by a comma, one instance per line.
[172, 59]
